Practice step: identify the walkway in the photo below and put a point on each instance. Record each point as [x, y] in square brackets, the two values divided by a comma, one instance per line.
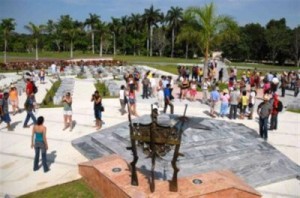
[16, 156]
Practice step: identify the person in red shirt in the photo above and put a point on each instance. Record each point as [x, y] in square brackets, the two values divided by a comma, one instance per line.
[29, 87]
[274, 113]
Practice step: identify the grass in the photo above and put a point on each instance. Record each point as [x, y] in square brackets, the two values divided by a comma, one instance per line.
[167, 68]
[265, 67]
[48, 100]
[72, 189]
[294, 110]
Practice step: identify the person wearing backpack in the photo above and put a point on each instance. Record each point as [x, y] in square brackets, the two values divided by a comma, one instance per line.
[274, 113]
[29, 107]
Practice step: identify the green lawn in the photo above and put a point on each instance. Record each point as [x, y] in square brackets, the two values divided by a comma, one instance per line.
[167, 68]
[14, 56]
[77, 188]
[262, 66]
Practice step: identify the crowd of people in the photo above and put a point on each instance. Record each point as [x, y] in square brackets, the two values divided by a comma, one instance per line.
[237, 97]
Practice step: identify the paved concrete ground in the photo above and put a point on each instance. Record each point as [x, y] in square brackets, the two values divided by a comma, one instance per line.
[16, 156]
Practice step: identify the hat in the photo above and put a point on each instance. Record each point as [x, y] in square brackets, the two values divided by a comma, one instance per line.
[284, 73]
[225, 90]
[266, 97]
[12, 86]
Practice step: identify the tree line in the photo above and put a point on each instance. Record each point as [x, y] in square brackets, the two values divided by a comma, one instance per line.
[190, 33]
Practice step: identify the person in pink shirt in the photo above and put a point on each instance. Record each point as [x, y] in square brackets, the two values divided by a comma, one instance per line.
[224, 103]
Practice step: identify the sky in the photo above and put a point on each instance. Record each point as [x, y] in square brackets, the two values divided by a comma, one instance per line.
[243, 11]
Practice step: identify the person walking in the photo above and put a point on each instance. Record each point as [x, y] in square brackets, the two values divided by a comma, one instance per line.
[284, 83]
[39, 143]
[274, 113]
[146, 85]
[4, 110]
[132, 102]
[244, 101]
[264, 110]
[193, 90]
[42, 76]
[297, 85]
[29, 107]
[98, 108]
[214, 98]
[167, 94]
[67, 107]
[205, 86]
[252, 100]
[224, 103]
[233, 101]
[123, 99]
[14, 99]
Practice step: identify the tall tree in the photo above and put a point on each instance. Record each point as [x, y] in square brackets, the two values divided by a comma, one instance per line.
[151, 18]
[136, 27]
[70, 29]
[123, 30]
[188, 35]
[7, 26]
[53, 32]
[159, 40]
[173, 18]
[102, 30]
[277, 36]
[212, 25]
[91, 22]
[36, 31]
[114, 27]
[295, 42]
[255, 39]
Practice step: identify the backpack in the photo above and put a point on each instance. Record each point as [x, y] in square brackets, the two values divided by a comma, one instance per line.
[280, 106]
[35, 89]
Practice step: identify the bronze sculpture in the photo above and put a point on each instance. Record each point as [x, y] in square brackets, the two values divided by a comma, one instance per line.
[156, 140]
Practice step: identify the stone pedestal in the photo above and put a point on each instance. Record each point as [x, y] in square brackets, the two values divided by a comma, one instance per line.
[110, 177]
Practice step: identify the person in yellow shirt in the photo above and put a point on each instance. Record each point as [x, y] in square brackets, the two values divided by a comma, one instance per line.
[14, 99]
[244, 101]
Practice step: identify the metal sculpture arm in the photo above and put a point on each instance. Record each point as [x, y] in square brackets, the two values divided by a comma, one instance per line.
[134, 178]
[173, 184]
[152, 148]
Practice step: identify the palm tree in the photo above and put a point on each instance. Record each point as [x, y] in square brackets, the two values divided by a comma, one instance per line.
[188, 35]
[91, 22]
[174, 18]
[101, 29]
[7, 26]
[123, 29]
[151, 18]
[53, 32]
[35, 31]
[71, 33]
[135, 25]
[114, 27]
[211, 25]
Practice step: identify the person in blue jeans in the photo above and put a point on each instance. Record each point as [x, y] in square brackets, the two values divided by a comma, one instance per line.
[29, 107]
[39, 143]
[264, 110]
[168, 102]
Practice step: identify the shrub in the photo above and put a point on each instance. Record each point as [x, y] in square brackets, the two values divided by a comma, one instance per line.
[48, 100]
